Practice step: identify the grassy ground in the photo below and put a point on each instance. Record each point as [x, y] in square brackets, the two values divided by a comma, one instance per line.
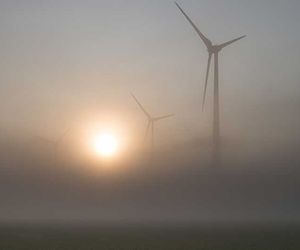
[231, 238]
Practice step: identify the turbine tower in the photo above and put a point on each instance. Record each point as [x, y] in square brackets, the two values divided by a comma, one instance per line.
[213, 50]
[151, 121]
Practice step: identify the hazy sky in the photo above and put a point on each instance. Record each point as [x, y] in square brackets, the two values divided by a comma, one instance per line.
[75, 62]
[63, 59]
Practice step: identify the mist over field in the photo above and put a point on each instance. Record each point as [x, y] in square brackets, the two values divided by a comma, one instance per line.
[105, 144]
[255, 184]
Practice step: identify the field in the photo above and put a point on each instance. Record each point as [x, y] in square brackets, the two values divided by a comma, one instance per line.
[152, 237]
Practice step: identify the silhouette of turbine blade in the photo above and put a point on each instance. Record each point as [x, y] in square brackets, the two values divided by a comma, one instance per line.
[223, 45]
[162, 117]
[147, 130]
[207, 42]
[206, 80]
[45, 140]
[60, 139]
[141, 106]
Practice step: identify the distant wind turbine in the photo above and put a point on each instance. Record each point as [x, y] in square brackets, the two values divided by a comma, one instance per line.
[55, 143]
[212, 50]
[151, 121]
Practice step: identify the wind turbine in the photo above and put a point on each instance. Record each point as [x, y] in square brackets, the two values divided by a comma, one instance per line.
[213, 50]
[151, 121]
[57, 142]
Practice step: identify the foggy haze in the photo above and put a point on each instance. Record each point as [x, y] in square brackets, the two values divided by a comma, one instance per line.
[72, 64]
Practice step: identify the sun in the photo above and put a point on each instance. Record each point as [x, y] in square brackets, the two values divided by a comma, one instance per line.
[105, 145]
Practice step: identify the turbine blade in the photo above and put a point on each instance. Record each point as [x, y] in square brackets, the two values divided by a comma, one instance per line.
[147, 130]
[162, 117]
[60, 139]
[223, 45]
[45, 140]
[206, 80]
[141, 106]
[206, 41]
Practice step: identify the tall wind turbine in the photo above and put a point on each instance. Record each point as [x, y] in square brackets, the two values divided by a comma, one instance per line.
[213, 50]
[151, 121]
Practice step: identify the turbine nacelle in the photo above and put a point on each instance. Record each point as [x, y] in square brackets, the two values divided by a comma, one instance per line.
[218, 47]
[214, 49]
[147, 114]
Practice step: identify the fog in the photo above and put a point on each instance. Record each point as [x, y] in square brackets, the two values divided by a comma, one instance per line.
[73, 64]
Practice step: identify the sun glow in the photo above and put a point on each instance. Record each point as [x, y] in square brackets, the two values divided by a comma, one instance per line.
[105, 145]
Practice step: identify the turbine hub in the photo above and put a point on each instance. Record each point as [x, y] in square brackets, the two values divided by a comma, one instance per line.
[214, 49]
